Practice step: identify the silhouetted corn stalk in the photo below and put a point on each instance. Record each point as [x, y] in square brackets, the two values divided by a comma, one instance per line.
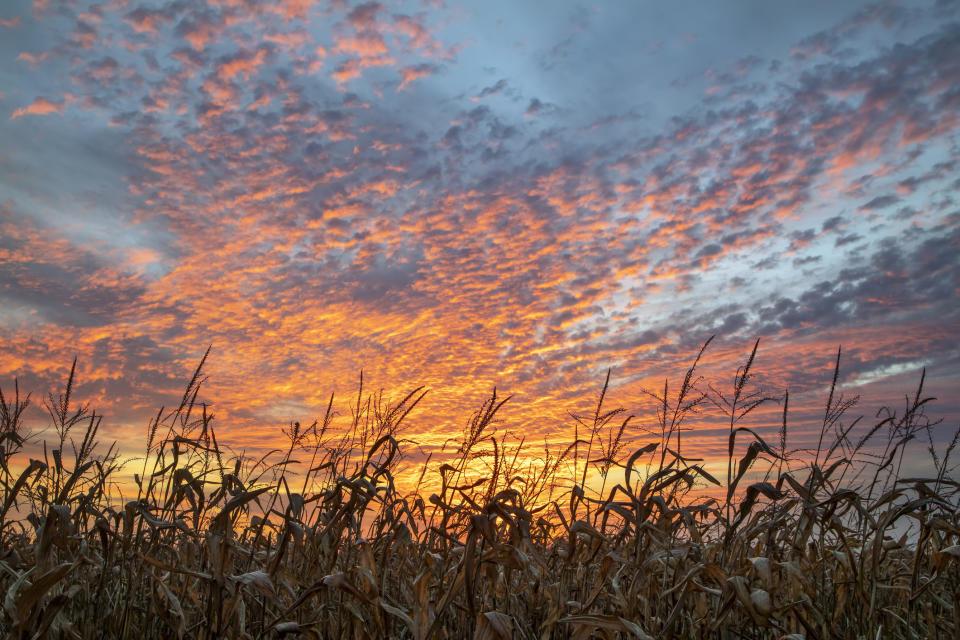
[333, 537]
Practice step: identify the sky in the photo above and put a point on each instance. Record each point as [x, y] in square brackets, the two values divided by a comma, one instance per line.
[464, 195]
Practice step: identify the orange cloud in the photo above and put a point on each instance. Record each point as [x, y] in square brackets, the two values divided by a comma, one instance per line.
[245, 64]
[409, 74]
[200, 32]
[33, 58]
[40, 107]
[362, 45]
[296, 39]
[353, 67]
[146, 21]
[293, 9]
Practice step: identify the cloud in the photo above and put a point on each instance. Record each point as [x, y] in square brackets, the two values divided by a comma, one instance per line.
[367, 45]
[201, 29]
[537, 107]
[880, 202]
[33, 58]
[40, 107]
[409, 74]
[418, 36]
[144, 20]
[243, 62]
[493, 89]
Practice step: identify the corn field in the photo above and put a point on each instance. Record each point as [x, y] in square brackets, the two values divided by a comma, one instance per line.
[345, 533]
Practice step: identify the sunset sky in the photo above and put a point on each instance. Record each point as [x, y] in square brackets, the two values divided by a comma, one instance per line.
[464, 195]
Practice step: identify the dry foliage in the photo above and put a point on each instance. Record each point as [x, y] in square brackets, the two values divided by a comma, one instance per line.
[599, 540]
